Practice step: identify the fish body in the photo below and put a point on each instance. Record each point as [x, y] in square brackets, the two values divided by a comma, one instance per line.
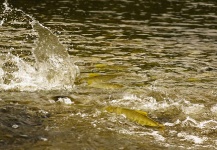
[100, 81]
[137, 116]
[108, 86]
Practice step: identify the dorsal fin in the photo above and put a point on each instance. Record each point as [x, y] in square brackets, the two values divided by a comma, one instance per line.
[141, 112]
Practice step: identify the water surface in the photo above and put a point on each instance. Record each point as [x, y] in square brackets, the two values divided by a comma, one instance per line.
[156, 56]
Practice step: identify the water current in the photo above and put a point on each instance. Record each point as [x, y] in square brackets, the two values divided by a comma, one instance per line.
[158, 56]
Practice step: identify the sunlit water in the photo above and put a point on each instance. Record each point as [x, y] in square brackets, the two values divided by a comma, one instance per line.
[156, 56]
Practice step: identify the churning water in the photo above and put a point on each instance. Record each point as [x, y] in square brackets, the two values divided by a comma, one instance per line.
[159, 56]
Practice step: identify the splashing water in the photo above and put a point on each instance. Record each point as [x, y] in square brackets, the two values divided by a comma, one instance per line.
[154, 71]
[51, 68]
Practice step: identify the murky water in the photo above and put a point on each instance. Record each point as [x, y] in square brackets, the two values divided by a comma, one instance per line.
[156, 56]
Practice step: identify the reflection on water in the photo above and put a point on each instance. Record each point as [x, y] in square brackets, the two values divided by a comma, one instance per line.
[156, 56]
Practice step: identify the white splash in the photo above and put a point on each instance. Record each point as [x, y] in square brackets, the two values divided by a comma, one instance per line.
[193, 109]
[1, 22]
[212, 124]
[214, 109]
[189, 122]
[207, 124]
[145, 103]
[130, 97]
[65, 100]
[157, 136]
[53, 68]
[6, 7]
[192, 138]
[154, 134]
[172, 124]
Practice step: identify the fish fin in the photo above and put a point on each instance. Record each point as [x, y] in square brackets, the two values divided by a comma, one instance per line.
[141, 112]
[93, 74]
[100, 65]
[161, 128]
[110, 108]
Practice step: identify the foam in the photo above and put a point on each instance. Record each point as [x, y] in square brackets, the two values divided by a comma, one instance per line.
[154, 134]
[207, 124]
[145, 103]
[193, 108]
[157, 136]
[214, 109]
[65, 100]
[192, 138]
[189, 122]
[172, 124]
[130, 97]
[212, 124]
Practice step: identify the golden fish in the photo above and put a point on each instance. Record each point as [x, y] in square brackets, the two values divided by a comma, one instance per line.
[100, 81]
[137, 116]
[96, 78]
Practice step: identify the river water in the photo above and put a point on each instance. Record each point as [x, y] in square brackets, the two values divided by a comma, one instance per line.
[158, 56]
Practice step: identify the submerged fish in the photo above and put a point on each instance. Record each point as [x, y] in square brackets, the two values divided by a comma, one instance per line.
[100, 81]
[137, 116]
[107, 86]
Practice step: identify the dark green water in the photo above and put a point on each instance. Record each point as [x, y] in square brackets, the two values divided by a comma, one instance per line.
[159, 56]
